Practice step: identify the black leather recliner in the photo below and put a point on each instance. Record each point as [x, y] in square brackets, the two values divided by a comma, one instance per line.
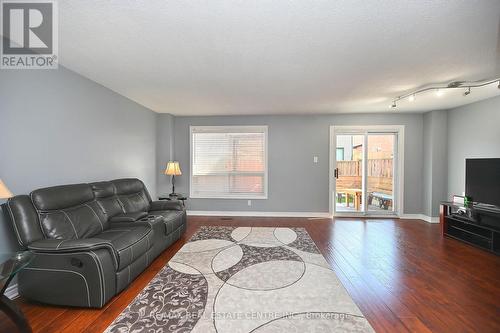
[90, 240]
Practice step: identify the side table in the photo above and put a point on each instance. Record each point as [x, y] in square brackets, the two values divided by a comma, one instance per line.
[10, 264]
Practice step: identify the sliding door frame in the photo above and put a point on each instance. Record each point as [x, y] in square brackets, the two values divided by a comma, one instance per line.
[398, 181]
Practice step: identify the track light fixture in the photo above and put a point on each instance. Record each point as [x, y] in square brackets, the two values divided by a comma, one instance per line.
[439, 89]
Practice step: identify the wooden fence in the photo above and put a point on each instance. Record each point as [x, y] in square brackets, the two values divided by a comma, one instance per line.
[380, 175]
[376, 168]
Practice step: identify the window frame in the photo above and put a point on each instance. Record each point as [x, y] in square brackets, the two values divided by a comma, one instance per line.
[221, 129]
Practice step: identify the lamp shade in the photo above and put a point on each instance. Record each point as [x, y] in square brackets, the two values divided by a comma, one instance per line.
[173, 169]
[4, 191]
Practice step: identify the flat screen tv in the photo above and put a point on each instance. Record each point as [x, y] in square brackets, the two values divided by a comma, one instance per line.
[482, 180]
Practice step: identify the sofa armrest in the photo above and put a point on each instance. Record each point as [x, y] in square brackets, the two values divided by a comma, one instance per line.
[81, 279]
[73, 246]
[128, 217]
[166, 205]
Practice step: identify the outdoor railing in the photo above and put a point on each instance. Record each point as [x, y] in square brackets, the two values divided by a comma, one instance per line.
[380, 175]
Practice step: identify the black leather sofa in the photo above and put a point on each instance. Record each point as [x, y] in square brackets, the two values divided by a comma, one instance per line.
[90, 240]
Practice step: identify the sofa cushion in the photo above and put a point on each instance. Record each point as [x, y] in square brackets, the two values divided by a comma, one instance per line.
[130, 242]
[60, 197]
[103, 189]
[71, 223]
[106, 198]
[132, 195]
[67, 212]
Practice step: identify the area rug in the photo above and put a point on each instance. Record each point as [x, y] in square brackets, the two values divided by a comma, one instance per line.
[241, 279]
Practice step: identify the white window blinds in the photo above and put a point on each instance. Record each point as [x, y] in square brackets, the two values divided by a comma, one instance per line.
[229, 162]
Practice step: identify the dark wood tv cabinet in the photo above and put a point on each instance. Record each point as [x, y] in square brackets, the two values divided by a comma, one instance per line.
[475, 225]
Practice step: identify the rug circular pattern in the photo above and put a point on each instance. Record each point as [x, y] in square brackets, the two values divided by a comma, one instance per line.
[242, 279]
[268, 275]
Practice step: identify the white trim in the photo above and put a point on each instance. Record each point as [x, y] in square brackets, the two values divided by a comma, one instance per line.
[426, 218]
[331, 163]
[257, 214]
[368, 216]
[12, 292]
[398, 172]
[423, 217]
[218, 129]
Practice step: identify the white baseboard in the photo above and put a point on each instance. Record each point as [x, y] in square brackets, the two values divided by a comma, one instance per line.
[426, 218]
[256, 214]
[423, 217]
[12, 292]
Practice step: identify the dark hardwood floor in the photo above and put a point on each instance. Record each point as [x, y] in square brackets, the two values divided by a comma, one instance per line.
[401, 273]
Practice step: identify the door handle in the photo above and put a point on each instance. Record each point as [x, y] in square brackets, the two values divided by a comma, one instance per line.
[336, 173]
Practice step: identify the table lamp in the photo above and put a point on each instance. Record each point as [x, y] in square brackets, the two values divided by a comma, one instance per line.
[173, 169]
[4, 191]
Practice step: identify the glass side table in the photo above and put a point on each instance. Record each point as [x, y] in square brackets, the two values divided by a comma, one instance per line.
[10, 264]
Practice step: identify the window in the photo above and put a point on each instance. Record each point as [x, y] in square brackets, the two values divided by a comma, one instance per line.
[229, 162]
[340, 154]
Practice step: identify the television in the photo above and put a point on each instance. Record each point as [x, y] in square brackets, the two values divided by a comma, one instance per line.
[482, 180]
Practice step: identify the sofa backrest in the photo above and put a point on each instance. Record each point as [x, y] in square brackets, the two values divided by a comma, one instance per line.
[132, 194]
[67, 211]
[106, 198]
[74, 211]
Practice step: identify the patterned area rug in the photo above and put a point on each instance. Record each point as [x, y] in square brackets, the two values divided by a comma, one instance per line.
[241, 279]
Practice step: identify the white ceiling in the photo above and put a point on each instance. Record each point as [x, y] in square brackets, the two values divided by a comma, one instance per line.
[281, 56]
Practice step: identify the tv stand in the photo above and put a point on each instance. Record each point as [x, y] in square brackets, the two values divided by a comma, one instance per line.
[478, 225]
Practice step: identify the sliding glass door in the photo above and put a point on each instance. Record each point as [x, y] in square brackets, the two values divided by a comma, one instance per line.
[349, 173]
[364, 171]
[380, 172]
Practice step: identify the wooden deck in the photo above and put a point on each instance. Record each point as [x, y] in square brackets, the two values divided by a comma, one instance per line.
[401, 273]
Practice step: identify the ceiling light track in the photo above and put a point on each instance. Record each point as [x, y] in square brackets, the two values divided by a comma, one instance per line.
[439, 89]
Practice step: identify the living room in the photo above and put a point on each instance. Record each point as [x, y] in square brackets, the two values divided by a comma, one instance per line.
[250, 166]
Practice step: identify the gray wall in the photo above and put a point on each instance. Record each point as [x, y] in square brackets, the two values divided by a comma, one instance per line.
[473, 131]
[427, 164]
[164, 151]
[434, 161]
[296, 184]
[57, 127]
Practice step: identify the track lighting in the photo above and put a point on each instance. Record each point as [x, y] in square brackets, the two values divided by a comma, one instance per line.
[440, 89]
